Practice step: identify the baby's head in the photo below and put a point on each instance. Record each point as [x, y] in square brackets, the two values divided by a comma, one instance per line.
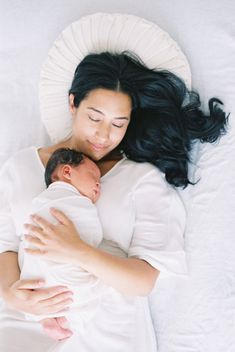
[73, 167]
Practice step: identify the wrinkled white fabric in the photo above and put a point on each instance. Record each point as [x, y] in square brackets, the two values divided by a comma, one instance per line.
[86, 287]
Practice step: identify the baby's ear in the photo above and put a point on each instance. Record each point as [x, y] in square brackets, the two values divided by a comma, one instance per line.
[66, 172]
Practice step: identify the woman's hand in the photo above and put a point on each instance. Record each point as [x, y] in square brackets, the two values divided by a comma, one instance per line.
[58, 242]
[29, 296]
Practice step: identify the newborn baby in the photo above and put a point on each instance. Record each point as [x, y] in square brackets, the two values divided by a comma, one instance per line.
[73, 182]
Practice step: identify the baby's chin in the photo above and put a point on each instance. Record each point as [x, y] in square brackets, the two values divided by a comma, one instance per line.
[95, 198]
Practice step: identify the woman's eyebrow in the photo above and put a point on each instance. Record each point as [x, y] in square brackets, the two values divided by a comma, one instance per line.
[96, 110]
[100, 112]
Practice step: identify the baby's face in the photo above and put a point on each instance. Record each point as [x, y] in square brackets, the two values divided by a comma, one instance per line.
[86, 178]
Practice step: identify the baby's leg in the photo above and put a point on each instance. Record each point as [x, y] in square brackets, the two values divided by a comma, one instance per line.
[56, 328]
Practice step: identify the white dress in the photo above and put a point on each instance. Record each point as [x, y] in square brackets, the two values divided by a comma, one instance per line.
[87, 288]
[142, 216]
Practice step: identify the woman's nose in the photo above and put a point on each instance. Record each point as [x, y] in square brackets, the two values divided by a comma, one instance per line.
[103, 133]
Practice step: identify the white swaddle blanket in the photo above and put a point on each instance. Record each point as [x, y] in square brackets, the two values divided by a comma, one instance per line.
[86, 287]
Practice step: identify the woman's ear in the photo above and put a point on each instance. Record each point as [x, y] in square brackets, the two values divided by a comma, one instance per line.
[72, 108]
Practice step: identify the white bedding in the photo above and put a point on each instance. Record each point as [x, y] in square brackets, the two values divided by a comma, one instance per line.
[192, 315]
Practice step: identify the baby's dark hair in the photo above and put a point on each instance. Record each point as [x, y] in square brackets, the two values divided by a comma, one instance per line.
[61, 156]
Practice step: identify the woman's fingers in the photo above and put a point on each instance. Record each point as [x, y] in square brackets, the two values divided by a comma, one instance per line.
[59, 298]
[37, 231]
[60, 216]
[31, 297]
[50, 292]
[29, 284]
[43, 223]
[42, 293]
[34, 240]
[37, 252]
[58, 307]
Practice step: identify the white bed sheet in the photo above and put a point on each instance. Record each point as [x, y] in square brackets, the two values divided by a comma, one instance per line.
[190, 315]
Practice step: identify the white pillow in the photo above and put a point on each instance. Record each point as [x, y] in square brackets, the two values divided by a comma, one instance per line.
[94, 34]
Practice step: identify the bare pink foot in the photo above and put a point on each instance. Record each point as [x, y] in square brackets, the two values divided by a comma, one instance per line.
[56, 328]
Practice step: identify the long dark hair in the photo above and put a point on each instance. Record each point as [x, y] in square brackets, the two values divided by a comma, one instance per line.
[166, 117]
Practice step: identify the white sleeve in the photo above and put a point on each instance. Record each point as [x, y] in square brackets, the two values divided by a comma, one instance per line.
[159, 225]
[9, 241]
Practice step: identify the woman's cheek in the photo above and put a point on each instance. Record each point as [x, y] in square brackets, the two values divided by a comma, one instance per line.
[120, 133]
[83, 131]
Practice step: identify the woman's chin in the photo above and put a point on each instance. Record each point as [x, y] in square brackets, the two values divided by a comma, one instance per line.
[96, 155]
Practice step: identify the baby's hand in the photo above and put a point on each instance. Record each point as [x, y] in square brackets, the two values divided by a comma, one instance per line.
[56, 328]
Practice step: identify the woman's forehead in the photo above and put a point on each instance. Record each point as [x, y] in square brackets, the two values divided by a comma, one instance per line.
[103, 101]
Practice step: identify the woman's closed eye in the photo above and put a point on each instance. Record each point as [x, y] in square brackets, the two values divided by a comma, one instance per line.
[97, 120]
[92, 119]
[118, 126]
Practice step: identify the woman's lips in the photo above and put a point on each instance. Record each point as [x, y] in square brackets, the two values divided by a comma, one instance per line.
[97, 147]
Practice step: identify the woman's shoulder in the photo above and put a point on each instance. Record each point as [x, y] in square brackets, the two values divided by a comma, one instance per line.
[141, 170]
[24, 153]
[132, 175]
[149, 184]
[22, 157]
[144, 175]
[17, 165]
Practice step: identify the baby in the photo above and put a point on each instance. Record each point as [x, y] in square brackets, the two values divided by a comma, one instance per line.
[73, 182]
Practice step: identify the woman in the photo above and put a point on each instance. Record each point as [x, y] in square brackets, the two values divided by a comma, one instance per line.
[122, 113]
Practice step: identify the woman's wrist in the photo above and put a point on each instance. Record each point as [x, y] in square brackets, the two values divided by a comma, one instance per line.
[9, 272]
[4, 291]
[80, 254]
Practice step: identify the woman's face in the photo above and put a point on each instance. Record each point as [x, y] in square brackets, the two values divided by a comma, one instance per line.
[100, 122]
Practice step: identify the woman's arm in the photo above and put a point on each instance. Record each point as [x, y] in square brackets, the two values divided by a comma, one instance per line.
[9, 270]
[130, 276]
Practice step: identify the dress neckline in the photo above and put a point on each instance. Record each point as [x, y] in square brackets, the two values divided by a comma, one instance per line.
[38, 157]
[113, 168]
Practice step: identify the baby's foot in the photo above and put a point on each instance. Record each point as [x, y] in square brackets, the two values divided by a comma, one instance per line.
[56, 328]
